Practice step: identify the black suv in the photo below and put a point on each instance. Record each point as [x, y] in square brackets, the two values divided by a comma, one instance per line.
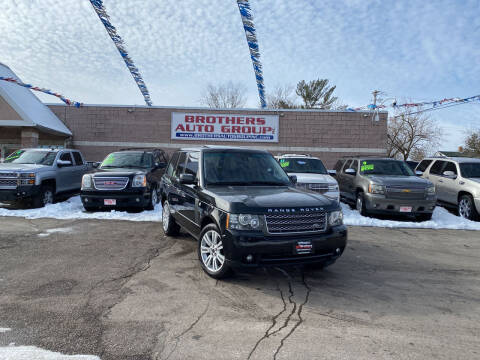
[245, 211]
[125, 179]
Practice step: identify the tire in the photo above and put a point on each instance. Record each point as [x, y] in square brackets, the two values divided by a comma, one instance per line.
[153, 199]
[210, 253]
[360, 204]
[466, 208]
[170, 227]
[46, 196]
[423, 217]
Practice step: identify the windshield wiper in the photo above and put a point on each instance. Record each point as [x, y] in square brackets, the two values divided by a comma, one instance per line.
[227, 183]
[267, 183]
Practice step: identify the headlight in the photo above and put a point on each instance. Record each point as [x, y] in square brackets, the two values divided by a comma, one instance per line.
[335, 218]
[139, 181]
[26, 179]
[86, 181]
[376, 189]
[431, 190]
[333, 187]
[243, 222]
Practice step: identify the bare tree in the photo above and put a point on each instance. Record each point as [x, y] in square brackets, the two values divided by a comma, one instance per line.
[411, 135]
[472, 142]
[282, 97]
[229, 96]
[316, 94]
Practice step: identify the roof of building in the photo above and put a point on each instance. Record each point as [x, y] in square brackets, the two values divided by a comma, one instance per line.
[23, 108]
[457, 154]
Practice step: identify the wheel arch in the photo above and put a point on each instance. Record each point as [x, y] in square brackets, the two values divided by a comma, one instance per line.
[50, 182]
[461, 193]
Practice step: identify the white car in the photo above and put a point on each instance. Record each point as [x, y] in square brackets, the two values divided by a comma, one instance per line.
[311, 174]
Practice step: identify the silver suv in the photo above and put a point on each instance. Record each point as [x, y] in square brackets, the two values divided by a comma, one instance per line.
[385, 186]
[457, 181]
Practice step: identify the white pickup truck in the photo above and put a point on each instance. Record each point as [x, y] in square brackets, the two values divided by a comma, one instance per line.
[39, 175]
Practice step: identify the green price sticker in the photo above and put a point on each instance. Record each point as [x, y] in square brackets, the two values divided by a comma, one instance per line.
[366, 167]
[14, 155]
[284, 163]
[109, 160]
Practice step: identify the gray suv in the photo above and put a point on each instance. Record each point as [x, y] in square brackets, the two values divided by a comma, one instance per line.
[384, 186]
[38, 175]
[457, 181]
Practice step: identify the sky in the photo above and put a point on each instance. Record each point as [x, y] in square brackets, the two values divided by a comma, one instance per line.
[410, 50]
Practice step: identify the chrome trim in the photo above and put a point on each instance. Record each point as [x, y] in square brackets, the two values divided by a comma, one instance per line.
[7, 177]
[104, 178]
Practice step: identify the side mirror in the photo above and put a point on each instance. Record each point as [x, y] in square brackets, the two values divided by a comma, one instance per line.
[293, 179]
[96, 165]
[419, 173]
[332, 172]
[187, 179]
[62, 163]
[161, 165]
[449, 174]
[350, 171]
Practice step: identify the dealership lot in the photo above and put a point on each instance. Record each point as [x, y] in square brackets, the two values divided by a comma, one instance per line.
[120, 290]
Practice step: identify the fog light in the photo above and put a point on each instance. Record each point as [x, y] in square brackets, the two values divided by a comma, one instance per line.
[137, 200]
[337, 250]
[86, 200]
[249, 258]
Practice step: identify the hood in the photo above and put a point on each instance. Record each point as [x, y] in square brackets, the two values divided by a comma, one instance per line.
[118, 172]
[20, 167]
[392, 180]
[476, 180]
[306, 178]
[261, 199]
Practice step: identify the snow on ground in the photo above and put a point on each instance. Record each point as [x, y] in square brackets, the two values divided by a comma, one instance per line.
[57, 230]
[73, 209]
[34, 353]
[441, 219]
[3, 330]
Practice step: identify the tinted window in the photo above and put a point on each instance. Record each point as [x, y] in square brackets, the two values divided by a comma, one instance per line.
[192, 163]
[172, 164]
[181, 165]
[423, 165]
[303, 165]
[436, 168]
[470, 170]
[128, 159]
[338, 165]
[78, 158]
[450, 167]
[66, 157]
[40, 157]
[385, 167]
[354, 165]
[347, 165]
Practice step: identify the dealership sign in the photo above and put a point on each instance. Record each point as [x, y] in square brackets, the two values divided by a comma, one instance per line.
[224, 127]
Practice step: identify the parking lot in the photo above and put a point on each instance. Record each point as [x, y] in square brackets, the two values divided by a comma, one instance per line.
[121, 290]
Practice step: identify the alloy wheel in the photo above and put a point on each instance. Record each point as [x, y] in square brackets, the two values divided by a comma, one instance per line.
[465, 208]
[165, 216]
[154, 198]
[211, 249]
[359, 203]
[47, 197]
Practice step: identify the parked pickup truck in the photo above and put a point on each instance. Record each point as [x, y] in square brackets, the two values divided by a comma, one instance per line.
[39, 175]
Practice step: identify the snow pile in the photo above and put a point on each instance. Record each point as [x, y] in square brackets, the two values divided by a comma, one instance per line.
[53, 231]
[3, 330]
[441, 219]
[34, 353]
[73, 209]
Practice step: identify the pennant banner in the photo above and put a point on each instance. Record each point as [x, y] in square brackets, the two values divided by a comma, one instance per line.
[45, 91]
[250, 33]
[118, 41]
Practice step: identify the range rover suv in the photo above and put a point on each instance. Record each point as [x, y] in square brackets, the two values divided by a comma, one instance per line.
[311, 174]
[385, 186]
[125, 179]
[246, 212]
[457, 181]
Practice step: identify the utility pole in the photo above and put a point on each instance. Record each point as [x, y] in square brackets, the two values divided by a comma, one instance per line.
[375, 93]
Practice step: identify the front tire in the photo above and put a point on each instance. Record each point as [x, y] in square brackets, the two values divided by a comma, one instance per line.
[360, 204]
[153, 199]
[170, 227]
[45, 197]
[211, 254]
[466, 208]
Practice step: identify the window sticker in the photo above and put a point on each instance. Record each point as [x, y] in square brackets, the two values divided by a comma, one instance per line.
[366, 167]
[284, 163]
[14, 155]
[109, 160]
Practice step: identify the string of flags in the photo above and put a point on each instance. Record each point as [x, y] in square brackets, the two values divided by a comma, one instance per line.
[46, 91]
[119, 43]
[250, 33]
[434, 104]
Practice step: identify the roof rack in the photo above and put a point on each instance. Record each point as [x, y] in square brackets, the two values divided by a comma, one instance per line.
[365, 156]
[142, 148]
[306, 155]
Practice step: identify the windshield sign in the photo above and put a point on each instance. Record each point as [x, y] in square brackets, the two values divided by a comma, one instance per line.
[470, 170]
[302, 165]
[38, 157]
[127, 160]
[385, 167]
[242, 168]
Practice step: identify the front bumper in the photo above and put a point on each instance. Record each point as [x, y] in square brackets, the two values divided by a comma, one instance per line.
[280, 250]
[124, 199]
[383, 205]
[20, 193]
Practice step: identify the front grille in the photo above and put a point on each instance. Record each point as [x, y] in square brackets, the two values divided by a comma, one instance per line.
[405, 193]
[296, 223]
[110, 183]
[317, 187]
[8, 180]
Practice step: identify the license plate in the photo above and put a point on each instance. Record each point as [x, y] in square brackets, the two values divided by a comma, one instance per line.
[304, 247]
[405, 209]
[109, 202]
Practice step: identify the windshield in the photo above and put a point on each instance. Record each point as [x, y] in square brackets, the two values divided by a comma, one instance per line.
[39, 157]
[470, 170]
[385, 167]
[127, 160]
[302, 165]
[242, 168]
